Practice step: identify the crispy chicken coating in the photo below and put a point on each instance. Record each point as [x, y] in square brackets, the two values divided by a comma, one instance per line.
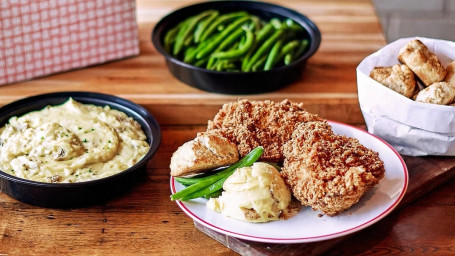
[326, 171]
[260, 123]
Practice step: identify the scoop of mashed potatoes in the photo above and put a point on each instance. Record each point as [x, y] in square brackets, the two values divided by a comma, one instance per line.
[253, 194]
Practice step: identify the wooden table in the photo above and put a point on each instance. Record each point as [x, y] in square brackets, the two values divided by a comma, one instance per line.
[144, 220]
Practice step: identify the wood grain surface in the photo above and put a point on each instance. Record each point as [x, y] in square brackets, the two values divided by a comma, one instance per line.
[144, 221]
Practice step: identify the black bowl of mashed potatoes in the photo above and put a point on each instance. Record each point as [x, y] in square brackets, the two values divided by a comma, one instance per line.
[74, 149]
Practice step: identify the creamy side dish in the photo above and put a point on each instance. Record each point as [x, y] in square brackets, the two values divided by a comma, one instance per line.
[254, 194]
[72, 142]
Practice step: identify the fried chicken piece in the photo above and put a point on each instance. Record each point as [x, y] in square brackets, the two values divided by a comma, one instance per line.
[326, 171]
[207, 151]
[249, 124]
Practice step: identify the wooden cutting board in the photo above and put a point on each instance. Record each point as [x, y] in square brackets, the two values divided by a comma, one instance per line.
[425, 174]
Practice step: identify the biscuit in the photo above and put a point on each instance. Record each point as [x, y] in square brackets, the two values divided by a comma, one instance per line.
[398, 78]
[450, 77]
[440, 93]
[422, 62]
[207, 151]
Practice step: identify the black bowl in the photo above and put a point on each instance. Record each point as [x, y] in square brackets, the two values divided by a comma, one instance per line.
[237, 82]
[65, 195]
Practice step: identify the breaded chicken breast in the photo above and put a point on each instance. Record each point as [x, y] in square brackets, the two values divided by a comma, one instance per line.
[249, 124]
[326, 171]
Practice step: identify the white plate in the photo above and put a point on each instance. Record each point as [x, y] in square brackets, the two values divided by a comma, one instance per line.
[307, 226]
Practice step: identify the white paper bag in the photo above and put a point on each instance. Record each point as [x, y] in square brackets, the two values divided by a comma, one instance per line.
[412, 128]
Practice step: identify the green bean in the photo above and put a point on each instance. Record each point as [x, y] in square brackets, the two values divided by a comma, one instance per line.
[219, 65]
[288, 59]
[256, 23]
[291, 55]
[203, 25]
[258, 65]
[260, 36]
[199, 189]
[211, 63]
[303, 45]
[271, 59]
[188, 40]
[288, 48]
[248, 160]
[169, 38]
[186, 30]
[230, 39]
[201, 177]
[207, 50]
[292, 25]
[220, 20]
[191, 56]
[266, 46]
[276, 23]
[237, 52]
[189, 53]
[201, 62]
[264, 32]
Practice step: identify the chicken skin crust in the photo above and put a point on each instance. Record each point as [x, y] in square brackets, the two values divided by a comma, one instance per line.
[249, 124]
[326, 171]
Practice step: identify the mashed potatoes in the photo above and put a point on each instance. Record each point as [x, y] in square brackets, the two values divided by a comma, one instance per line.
[72, 142]
[253, 194]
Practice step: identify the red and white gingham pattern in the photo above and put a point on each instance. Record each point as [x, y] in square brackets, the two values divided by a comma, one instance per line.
[38, 38]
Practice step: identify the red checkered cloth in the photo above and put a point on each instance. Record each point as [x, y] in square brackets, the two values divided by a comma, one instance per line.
[39, 38]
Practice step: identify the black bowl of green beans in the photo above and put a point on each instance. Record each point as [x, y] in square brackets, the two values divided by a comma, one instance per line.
[236, 47]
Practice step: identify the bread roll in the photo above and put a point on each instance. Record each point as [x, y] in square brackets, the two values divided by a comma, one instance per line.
[398, 78]
[440, 93]
[450, 77]
[422, 62]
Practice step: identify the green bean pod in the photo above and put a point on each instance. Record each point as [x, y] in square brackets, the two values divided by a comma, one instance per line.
[219, 21]
[303, 46]
[170, 36]
[266, 46]
[287, 59]
[259, 64]
[202, 26]
[288, 48]
[187, 29]
[271, 59]
[227, 31]
[230, 40]
[237, 52]
[195, 179]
